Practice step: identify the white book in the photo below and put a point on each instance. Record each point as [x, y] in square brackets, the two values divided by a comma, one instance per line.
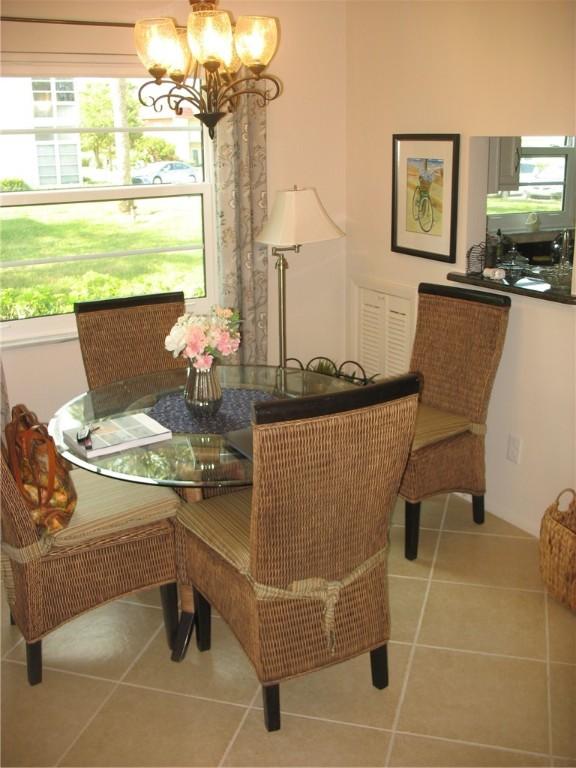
[114, 435]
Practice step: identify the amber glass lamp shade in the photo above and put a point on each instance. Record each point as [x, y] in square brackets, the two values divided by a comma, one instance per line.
[234, 65]
[181, 64]
[158, 47]
[210, 38]
[256, 40]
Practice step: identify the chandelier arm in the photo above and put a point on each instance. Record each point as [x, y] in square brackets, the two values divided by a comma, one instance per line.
[192, 95]
[173, 97]
[231, 91]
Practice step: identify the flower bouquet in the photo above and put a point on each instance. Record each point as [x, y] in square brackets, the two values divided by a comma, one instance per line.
[203, 339]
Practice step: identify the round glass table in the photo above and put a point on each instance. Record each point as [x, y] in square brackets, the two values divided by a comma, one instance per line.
[199, 452]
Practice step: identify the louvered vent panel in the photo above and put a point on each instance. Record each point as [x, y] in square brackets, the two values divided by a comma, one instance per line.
[384, 328]
[370, 328]
[397, 333]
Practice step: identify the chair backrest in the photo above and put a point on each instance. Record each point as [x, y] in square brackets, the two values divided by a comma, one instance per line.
[121, 338]
[327, 469]
[457, 347]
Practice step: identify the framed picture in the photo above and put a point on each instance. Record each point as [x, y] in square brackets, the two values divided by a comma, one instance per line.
[425, 194]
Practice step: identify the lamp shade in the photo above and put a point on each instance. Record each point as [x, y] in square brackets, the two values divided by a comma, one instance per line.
[256, 39]
[157, 45]
[210, 38]
[298, 217]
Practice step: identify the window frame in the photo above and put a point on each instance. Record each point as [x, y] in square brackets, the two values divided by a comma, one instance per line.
[57, 328]
[549, 220]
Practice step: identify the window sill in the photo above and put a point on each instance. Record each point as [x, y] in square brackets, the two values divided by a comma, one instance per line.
[38, 331]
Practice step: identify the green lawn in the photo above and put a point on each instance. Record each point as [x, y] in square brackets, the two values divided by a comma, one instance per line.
[57, 234]
[500, 206]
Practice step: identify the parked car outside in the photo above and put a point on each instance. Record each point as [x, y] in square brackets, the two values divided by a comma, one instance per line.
[544, 192]
[164, 172]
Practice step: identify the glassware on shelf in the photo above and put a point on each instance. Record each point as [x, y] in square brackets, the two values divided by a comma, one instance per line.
[515, 263]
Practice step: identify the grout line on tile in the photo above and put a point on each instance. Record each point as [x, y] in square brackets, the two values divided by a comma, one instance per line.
[488, 534]
[239, 728]
[12, 648]
[139, 603]
[422, 527]
[525, 537]
[61, 671]
[489, 586]
[109, 696]
[480, 653]
[414, 642]
[548, 676]
[330, 721]
[464, 742]
[408, 578]
[182, 694]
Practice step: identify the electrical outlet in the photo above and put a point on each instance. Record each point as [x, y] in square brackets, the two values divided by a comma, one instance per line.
[514, 450]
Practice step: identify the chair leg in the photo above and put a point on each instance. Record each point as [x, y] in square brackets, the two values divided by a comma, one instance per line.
[169, 596]
[379, 667]
[34, 662]
[202, 621]
[12, 622]
[412, 529]
[271, 700]
[183, 635]
[478, 509]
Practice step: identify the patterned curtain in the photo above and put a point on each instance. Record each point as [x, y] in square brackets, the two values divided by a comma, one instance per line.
[241, 208]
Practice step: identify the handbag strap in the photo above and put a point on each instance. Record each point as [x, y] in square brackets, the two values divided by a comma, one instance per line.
[38, 435]
[21, 443]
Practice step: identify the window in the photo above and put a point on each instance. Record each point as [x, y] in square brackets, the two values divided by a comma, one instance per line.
[544, 185]
[101, 197]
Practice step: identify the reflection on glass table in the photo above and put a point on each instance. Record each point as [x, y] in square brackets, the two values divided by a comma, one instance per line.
[197, 456]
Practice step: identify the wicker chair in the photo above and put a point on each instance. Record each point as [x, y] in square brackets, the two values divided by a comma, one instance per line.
[120, 540]
[122, 338]
[457, 348]
[297, 565]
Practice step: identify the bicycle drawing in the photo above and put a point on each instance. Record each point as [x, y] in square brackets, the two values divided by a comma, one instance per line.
[424, 187]
[422, 208]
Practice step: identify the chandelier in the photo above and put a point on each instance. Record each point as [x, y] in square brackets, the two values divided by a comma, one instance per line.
[201, 63]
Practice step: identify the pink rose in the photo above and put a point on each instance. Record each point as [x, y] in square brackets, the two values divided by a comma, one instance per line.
[196, 342]
[203, 362]
[227, 344]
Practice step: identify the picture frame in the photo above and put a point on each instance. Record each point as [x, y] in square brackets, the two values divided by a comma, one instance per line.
[425, 194]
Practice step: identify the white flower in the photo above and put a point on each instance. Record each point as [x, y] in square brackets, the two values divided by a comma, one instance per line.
[176, 340]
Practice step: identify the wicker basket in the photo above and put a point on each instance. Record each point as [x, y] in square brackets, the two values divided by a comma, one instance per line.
[558, 550]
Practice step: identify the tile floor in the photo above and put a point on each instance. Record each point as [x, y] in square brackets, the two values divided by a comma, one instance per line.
[482, 673]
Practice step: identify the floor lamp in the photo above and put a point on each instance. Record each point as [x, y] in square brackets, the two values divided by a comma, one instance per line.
[297, 217]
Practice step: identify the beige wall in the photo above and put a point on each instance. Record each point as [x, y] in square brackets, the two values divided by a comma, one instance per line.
[473, 68]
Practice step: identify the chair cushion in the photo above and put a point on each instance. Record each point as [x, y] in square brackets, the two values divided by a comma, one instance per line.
[106, 505]
[434, 425]
[222, 522]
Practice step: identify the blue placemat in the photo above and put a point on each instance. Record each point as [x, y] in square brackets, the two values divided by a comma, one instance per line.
[235, 412]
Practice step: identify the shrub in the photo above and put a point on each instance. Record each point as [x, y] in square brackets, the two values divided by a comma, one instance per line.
[14, 185]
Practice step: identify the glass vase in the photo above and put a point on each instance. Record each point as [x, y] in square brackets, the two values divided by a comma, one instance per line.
[202, 392]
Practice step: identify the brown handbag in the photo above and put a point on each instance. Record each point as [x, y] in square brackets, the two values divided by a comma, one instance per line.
[40, 473]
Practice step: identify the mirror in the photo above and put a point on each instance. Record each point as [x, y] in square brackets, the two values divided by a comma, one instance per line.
[531, 205]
